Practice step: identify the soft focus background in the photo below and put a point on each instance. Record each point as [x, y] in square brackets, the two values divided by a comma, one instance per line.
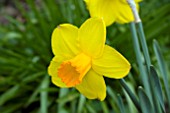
[25, 53]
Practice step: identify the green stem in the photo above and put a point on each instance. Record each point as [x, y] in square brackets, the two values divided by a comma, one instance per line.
[141, 33]
[138, 54]
[131, 95]
[144, 45]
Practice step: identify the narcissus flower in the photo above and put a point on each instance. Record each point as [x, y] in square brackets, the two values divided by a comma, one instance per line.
[111, 10]
[82, 58]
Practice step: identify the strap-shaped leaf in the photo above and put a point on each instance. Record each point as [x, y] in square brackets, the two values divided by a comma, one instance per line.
[157, 87]
[162, 67]
[120, 104]
[144, 101]
[129, 92]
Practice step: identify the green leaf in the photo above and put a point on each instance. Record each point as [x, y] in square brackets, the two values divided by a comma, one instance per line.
[105, 107]
[11, 108]
[9, 94]
[90, 109]
[112, 94]
[68, 97]
[131, 108]
[81, 103]
[120, 104]
[129, 92]
[157, 87]
[144, 101]
[163, 68]
[44, 95]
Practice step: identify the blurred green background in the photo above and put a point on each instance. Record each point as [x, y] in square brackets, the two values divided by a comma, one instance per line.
[25, 53]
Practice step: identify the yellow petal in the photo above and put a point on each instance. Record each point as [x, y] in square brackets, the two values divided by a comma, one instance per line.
[111, 10]
[137, 1]
[104, 9]
[112, 64]
[87, 3]
[92, 36]
[93, 86]
[53, 72]
[125, 13]
[65, 40]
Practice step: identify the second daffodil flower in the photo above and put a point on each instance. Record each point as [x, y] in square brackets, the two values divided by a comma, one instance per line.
[82, 58]
[111, 10]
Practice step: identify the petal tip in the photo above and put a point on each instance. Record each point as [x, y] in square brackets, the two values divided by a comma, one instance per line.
[66, 25]
[99, 19]
[58, 26]
[48, 70]
[62, 25]
[102, 98]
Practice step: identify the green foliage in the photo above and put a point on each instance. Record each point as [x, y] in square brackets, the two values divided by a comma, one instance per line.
[25, 53]
[146, 105]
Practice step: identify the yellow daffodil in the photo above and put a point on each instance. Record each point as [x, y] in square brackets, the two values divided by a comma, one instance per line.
[111, 10]
[82, 58]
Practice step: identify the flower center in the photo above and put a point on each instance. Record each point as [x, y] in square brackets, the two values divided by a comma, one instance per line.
[72, 71]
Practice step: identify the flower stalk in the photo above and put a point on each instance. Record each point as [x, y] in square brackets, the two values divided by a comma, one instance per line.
[138, 54]
[144, 44]
[141, 32]
[147, 76]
